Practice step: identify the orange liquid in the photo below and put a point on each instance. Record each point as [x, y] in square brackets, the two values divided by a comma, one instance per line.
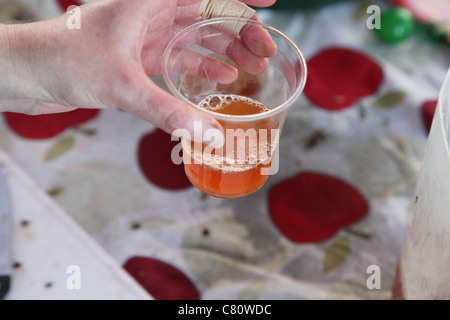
[217, 177]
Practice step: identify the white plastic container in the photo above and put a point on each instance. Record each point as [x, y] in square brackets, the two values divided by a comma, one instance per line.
[424, 267]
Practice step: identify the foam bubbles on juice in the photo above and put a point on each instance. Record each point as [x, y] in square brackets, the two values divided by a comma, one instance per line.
[219, 103]
[233, 105]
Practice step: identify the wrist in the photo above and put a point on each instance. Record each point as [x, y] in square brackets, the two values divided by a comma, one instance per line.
[7, 62]
[20, 65]
[14, 65]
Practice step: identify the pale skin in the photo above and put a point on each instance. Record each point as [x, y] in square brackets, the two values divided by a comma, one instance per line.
[47, 68]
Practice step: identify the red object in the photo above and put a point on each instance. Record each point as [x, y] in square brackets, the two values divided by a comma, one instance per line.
[312, 207]
[339, 77]
[397, 287]
[428, 110]
[155, 161]
[46, 126]
[161, 280]
[64, 4]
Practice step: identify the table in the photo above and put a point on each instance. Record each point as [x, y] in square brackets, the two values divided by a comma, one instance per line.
[360, 142]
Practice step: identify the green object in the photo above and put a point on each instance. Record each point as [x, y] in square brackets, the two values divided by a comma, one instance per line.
[390, 99]
[432, 32]
[303, 4]
[396, 25]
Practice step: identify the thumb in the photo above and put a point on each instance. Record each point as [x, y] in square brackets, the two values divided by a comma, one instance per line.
[169, 113]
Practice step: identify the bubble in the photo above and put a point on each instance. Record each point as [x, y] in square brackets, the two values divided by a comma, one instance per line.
[214, 100]
[219, 101]
[252, 158]
[255, 154]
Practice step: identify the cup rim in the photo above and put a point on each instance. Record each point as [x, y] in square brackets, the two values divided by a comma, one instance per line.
[285, 105]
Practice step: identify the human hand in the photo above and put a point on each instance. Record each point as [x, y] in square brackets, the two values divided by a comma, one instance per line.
[108, 61]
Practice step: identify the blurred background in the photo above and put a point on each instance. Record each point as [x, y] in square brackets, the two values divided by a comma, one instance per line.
[350, 155]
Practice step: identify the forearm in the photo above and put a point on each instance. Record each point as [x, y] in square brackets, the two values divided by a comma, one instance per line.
[22, 47]
[14, 64]
[8, 66]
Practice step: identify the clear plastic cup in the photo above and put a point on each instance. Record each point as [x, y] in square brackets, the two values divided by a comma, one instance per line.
[236, 169]
[424, 267]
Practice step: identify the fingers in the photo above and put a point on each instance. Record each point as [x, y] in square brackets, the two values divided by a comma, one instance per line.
[193, 63]
[196, 64]
[258, 39]
[245, 58]
[248, 50]
[165, 111]
[254, 37]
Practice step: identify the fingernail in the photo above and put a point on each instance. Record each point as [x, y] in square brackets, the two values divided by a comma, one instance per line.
[228, 75]
[265, 47]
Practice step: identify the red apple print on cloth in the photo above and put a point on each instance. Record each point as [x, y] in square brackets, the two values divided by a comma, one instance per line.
[46, 126]
[155, 161]
[64, 4]
[339, 77]
[312, 206]
[161, 280]
[428, 109]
